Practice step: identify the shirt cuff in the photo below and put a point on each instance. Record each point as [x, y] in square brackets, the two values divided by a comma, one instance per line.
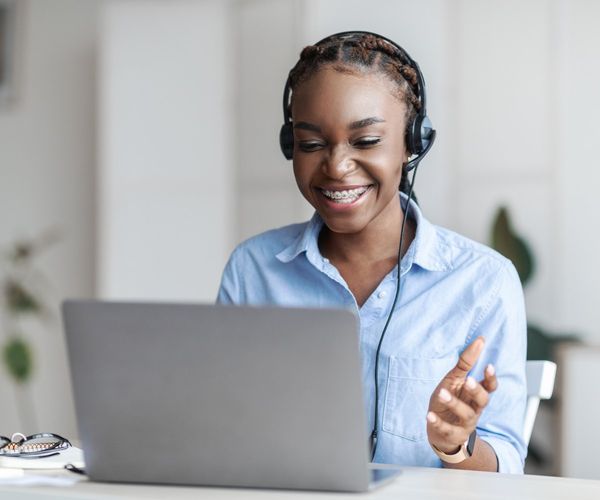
[509, 460]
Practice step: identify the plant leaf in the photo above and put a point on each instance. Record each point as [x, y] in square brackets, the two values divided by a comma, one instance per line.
[18, 359]
[506, 241]
[21, 252]
[19, 300]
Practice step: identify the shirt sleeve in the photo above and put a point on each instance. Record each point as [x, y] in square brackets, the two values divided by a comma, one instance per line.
[231, 289]
[504, 328]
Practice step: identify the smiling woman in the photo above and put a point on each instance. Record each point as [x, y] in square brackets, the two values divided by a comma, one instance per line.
[442, 321]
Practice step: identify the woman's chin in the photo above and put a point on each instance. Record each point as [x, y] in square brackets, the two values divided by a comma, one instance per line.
[343, 227]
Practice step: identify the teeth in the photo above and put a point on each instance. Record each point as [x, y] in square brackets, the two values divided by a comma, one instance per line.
[345, 196]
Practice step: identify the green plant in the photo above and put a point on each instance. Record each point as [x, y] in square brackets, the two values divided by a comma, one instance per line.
[540, 344]
[18, 359]
[21, 298]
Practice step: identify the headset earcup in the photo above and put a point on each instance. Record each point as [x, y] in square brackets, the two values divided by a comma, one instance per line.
[419, 135]
[286, 140]
[413, 139]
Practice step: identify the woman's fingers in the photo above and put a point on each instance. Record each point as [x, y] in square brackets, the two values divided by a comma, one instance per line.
[468, 358]
[445, 432]
[463, 413]
[489, 382]
[475, 395]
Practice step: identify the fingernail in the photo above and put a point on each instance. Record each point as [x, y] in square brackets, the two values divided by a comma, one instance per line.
[445, 395]
[431, 417]
[471, 384]
[490, 370]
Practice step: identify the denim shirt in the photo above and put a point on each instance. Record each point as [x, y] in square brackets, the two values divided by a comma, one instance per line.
[453, 290]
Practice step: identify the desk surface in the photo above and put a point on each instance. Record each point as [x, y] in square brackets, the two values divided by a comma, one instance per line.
[413, 483]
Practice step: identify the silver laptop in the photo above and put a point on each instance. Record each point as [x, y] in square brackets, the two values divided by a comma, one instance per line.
[219, 395]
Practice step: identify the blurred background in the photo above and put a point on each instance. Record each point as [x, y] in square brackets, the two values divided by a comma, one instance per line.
[139, 145]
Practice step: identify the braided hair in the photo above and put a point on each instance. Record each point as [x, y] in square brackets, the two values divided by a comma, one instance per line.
[364, 52]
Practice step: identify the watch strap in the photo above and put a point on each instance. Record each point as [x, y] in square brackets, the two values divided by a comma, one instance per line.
[465, 451]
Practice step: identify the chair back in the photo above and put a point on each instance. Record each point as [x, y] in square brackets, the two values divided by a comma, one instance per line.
[540, 384]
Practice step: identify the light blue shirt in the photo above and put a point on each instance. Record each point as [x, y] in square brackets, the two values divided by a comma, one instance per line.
[453, 289]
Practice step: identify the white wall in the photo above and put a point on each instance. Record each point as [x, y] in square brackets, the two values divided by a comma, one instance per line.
[506, 151]
[575, 223]
[266, 42]
[47, 160]
[166, 197]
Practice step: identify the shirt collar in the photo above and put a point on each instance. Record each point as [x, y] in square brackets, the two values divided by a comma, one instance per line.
[426, 248]
[305, 242]
[423, 251]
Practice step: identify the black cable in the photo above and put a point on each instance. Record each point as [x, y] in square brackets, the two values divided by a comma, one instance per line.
[398, 285]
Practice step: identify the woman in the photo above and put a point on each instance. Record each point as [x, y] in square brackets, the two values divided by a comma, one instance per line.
[438, 338]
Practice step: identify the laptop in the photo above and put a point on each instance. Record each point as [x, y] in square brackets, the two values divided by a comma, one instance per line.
[216, 395]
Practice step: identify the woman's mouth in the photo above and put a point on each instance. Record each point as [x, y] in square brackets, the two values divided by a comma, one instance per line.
[345, 196]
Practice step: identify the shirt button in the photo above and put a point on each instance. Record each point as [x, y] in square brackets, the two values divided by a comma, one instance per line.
[326, 260]
[381, 295]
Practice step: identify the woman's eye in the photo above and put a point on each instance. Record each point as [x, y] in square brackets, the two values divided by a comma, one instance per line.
[365, 143]
[310, 146]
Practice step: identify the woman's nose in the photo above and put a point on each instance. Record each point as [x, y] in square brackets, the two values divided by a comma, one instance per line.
[338, 163]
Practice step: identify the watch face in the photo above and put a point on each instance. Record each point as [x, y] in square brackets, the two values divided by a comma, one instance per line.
[471, 443]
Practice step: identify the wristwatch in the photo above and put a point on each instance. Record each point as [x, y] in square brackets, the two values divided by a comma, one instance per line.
[465, 451]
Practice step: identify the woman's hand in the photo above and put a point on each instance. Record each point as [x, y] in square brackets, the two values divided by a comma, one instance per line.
[458, 400]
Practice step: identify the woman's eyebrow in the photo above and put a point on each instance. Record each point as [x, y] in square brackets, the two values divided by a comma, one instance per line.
[307, 126]
[365, 122]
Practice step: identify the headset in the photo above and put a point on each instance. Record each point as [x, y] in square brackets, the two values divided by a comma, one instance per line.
[420, 136]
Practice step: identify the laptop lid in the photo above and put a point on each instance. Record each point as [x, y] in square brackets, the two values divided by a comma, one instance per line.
[218, 395]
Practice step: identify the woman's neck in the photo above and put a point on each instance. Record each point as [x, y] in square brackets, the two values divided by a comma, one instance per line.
[377, 242]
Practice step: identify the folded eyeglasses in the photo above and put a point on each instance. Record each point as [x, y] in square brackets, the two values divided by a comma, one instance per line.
[37, 445]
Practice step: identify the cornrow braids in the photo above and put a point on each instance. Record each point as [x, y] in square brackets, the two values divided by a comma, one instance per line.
[365, 52]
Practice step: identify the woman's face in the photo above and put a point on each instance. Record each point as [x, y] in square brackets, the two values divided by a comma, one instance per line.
[349, 147]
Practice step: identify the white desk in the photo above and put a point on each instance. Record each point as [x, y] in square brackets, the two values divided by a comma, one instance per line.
[414, 483]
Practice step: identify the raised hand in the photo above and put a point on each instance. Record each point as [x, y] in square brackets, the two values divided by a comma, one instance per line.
[458, 400]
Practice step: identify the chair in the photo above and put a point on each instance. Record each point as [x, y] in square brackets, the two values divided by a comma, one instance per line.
[540, 384]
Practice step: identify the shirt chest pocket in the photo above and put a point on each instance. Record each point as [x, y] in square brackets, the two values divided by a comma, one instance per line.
[410, 384]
